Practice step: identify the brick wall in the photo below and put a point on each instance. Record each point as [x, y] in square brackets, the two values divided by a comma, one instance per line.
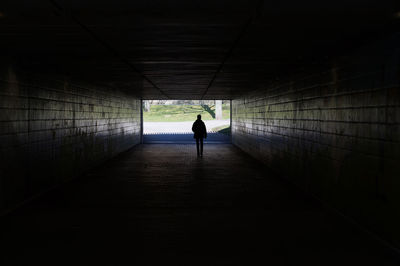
[53, 129]
[336, 133]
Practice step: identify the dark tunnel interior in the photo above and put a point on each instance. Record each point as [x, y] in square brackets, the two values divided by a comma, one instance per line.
[310, 174]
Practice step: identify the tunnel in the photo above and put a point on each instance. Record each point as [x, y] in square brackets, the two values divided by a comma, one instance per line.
[310, 174]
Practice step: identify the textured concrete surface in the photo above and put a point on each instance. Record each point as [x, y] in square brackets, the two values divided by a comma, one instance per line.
[336, 133]
[161, 205]
[188, 49]
[52, 129]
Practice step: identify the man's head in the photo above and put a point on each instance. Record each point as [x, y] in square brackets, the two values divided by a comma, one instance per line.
[199, 117]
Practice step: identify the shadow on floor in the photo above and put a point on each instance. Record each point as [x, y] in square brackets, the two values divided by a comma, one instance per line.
[160, 204]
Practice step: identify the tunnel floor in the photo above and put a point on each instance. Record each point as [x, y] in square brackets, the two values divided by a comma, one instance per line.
[158, 204]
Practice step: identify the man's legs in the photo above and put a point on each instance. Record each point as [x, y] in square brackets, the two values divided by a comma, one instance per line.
[201, 146]
[197, 146]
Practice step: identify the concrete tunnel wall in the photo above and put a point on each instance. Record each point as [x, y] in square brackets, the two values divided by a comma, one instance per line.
[53, 129]
[335, 133]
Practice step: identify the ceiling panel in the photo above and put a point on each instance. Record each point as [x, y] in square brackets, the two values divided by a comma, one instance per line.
[179, 49]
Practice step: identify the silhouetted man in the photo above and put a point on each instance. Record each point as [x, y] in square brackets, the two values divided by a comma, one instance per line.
[200, 132]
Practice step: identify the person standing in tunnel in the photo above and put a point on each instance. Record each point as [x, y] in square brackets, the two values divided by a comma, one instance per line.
[200, 133]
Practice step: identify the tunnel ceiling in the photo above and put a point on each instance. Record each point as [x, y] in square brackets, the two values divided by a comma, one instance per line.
[186, 49]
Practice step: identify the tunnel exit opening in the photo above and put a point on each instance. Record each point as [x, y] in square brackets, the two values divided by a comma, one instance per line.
[170, 121]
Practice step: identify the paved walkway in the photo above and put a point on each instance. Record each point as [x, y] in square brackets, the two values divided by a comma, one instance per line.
[186, 138]
[161, 205]
[179, 127]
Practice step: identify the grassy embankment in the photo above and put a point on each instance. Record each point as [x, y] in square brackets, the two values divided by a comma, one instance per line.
[181, 113]
[223, 129]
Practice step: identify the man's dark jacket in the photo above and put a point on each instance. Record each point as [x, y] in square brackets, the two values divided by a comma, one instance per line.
[199, 129]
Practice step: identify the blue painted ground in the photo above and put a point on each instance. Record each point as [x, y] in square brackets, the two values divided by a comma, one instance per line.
[183, 138]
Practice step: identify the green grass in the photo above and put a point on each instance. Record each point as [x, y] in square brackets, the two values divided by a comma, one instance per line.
[180, 113]
[226, 129]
